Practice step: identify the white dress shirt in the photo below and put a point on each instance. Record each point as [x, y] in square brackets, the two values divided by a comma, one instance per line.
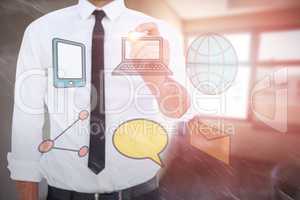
[126, 98]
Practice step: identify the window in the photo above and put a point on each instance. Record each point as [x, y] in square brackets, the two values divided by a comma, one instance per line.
[279, 52]
[233, 103]
[280, 46]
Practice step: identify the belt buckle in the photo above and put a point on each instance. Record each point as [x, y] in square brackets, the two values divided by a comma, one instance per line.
[97, 196]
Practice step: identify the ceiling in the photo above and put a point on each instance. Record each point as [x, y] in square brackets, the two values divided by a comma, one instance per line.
[193, 9]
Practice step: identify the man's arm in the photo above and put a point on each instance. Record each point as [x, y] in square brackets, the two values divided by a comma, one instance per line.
[173, 98]
[27, 190]
[28, 118]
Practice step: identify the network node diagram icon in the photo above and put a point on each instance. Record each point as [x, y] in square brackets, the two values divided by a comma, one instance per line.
[49, 144]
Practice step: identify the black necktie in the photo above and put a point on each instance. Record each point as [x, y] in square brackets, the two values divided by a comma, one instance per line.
[97, 122]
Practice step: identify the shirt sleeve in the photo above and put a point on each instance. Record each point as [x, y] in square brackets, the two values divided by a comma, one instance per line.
[177, 62]
[28, 114]
[176, 53]
[178, 68]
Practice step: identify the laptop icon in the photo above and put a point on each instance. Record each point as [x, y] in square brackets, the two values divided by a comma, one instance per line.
[142, 63]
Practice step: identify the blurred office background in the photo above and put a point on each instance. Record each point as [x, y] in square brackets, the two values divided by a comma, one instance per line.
[266, 35]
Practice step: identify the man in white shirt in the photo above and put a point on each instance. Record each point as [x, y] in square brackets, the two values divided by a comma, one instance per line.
[68, 174]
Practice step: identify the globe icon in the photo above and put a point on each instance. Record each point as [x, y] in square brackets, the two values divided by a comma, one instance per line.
[212, 64]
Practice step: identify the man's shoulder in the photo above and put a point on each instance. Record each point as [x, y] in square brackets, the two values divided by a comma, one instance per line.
[139, 17]
[54, 17]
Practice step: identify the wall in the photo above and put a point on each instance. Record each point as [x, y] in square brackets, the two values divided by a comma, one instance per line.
[242, 22]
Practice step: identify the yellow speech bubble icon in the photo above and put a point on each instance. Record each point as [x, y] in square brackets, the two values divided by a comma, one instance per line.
[141, 139]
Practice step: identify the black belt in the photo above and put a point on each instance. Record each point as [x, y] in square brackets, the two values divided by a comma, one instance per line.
[126, 194]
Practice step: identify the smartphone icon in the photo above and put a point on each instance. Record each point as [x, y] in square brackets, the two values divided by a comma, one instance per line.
[69, 63]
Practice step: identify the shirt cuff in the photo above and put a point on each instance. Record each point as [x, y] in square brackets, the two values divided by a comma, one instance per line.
[21, 170]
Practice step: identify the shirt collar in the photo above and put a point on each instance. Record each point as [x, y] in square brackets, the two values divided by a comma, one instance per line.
[112, 10]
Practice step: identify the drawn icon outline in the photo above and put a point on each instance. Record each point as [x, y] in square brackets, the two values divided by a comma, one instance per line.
[122, 134]
[132, 67]
[49, 144]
